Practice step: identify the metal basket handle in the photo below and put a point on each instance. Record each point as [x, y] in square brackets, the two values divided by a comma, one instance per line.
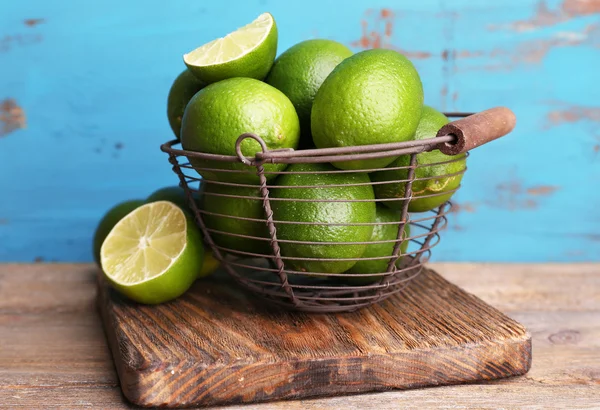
[476, 130]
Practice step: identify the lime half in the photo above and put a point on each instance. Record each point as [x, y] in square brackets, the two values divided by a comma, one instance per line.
[109, 220]
[247, 52]
[153, 254]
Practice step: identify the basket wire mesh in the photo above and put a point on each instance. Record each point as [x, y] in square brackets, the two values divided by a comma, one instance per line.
[270, 273]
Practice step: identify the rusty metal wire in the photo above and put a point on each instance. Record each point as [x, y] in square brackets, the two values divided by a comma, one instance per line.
[267, 274]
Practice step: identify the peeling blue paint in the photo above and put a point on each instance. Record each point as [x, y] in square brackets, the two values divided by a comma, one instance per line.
[93, 78]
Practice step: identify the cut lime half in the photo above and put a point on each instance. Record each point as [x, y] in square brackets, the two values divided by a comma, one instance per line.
[109, 220]
[247, 52]
[153, 254]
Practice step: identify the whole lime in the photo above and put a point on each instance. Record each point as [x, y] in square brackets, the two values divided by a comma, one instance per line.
[431, 187]
[372, 97]
[109, 220]
[209, 264]
[175, 194]
[337, 210]
[223, 205]
[182, 90]
[387, 221]
[218, 114]
[299, 72]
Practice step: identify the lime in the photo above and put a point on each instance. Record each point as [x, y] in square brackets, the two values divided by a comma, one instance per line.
[372, 97]
[209, 265]
[381, 232]
[174, 194]
[182, 90]
[349, 214]
[299, 72]
[247, 52]
[221, 210]
[109, 220]
[218, 114]
[153, 254]
[431, 187]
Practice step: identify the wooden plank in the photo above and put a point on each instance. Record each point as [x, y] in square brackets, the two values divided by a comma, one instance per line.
[60, 288]
[54, 349]
[64, 397]
[509, 287]
[527, 287]
[50, 333]
[51, 352]
[481, 396]
[217, 345]
[462, 397]
[46, 307]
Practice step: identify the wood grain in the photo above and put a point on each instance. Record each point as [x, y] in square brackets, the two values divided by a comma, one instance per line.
[218, 345]
[529, 287]
[472, 396]
[47, 305]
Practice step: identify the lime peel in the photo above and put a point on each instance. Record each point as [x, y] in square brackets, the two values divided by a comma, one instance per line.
[200, 56]
[247, 52]
[153, 254]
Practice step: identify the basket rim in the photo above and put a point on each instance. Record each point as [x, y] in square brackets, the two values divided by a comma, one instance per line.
[318, 155]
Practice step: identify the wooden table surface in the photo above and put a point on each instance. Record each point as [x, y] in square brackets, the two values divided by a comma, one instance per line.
[53, 351]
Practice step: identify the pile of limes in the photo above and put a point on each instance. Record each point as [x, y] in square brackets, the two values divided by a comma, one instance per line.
[316, 94]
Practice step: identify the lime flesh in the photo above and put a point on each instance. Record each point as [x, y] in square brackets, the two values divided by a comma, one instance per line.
[153, 254]
[247, 52]
[109, 220]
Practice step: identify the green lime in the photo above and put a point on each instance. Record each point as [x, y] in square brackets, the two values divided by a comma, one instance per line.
[372, 97]
[247, 52]
[431, 187]
[174, 194]
[109, 220]
[153, 254]
[218, 114]
[182, 90]
[381, 232]
[209, 265]
[299, 72]
[349, 214]
[220, 212]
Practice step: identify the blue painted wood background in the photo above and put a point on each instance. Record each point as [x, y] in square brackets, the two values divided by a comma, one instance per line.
[83, 87]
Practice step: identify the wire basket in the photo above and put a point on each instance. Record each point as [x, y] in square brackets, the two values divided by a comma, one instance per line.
[267, 265]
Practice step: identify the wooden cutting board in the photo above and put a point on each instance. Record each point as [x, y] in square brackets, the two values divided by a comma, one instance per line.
[219, 345]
